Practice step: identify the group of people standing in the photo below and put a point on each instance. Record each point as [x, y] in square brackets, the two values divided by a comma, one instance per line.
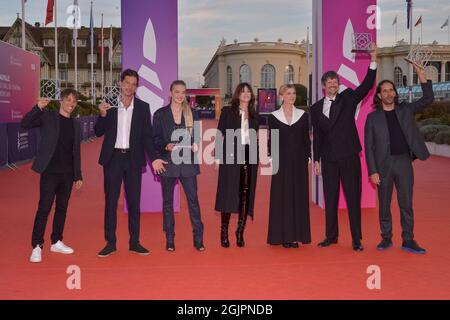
[392, 141]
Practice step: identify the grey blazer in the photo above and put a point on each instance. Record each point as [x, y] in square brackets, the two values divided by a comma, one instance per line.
[376, 132]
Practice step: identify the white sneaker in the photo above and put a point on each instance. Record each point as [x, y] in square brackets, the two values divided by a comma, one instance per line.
[36, 254]
[61, 248]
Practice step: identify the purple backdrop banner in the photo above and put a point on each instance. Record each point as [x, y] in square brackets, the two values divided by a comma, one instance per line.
[150, 46]
[3, 145]
[22, 143]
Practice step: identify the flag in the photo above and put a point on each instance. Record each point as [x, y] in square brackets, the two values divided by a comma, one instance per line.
[49, 16]
[395, 20]
[91, 29]
[409, 2]
[75, 19]
[445, 24]
[419, 21]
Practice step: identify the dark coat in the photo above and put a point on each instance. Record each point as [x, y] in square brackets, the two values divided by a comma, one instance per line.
[376, 132]
[337, 138]
[163, 127]
[141, 139]
[48, 122]
[227, 197]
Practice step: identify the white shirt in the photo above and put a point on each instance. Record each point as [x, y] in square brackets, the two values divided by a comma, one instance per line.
[327, 101]
[245, 134]
[124, 125]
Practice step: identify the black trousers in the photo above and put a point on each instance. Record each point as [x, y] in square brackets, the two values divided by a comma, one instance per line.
[399, 172]
[52, 185]
[119, 170]
[190, 188]
[347, 171]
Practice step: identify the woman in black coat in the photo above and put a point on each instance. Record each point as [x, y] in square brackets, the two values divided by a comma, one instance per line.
[237, 154]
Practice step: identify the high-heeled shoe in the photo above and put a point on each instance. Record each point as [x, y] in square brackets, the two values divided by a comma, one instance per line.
[240, 234]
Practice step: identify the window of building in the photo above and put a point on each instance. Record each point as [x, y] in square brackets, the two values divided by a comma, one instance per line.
[268, 76]
[80, 42]
[289, 74]
[90, 75]
[63, 58]
[63, 75]
[49, 43]
[398, 77]
[245, 74]
[92, 58]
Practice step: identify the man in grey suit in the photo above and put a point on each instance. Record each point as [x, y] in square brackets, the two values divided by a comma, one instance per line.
[392, 141]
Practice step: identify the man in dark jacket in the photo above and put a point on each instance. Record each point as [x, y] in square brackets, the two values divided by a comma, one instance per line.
[58, 162]
[127, 132]
[392, 141]
[336, 149]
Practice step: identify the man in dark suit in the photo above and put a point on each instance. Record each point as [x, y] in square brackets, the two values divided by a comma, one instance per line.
[58, 162]
[392, 141]
[336, 149]
[128, 136]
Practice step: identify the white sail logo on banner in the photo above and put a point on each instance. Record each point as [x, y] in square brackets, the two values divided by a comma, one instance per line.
[345, 71]
[149, 49]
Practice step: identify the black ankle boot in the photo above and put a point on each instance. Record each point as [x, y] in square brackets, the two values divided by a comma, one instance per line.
[240, 234]
[224, 229]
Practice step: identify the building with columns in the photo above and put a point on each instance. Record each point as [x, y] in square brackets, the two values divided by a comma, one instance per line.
[262, 64]
[393, 66]
[271, 64]
[41, 40]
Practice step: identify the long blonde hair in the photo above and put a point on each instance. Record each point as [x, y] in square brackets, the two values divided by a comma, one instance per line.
[187, 111]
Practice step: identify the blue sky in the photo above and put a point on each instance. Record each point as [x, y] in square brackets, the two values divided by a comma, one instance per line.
[203, 23]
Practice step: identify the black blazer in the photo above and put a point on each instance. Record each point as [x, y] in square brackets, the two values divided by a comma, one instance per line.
[48, 121]
[163, 126]
[141, 141]
[337, 138]
[376, 132]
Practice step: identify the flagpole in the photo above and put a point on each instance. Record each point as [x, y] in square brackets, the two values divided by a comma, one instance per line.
[23, 26]
[56, 44]
[110, 56]
[421, 31]
[75, 33]
[396, 30]
[92, 57]
[410, 48]
[102, 51]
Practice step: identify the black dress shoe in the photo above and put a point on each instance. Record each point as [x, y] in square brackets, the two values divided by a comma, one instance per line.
[137, 248]
[107, 250]
[358, 246]
[384, 244]
[294, 244]
[412, 246]
[286, 245]
[327, 242]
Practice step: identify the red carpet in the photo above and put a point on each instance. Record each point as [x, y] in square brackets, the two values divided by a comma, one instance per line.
[257, 271]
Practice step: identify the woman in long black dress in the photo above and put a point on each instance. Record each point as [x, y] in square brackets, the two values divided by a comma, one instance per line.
[238, 162]
[289, 195]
